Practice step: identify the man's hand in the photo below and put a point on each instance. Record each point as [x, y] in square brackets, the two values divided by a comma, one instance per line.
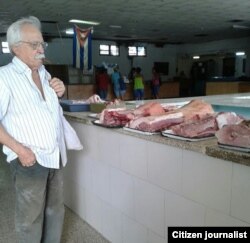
[26, 156]
[58, 86]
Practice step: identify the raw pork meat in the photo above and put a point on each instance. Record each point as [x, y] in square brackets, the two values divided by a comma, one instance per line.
[227, 118]
[197, 127]
[120, 117]
[155, 123]
[206, 125]
[149, 109]
[195, 108]
[235, 135]
[116, 117]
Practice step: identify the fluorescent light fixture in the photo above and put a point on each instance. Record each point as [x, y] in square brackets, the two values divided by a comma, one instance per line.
[196, 57]
[78, 21]
[115, 26]
[240, 53]
[69, 31]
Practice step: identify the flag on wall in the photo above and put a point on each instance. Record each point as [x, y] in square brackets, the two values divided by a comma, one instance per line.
[82, 48]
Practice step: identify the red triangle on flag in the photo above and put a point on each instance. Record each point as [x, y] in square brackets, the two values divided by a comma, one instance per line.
[82, 35]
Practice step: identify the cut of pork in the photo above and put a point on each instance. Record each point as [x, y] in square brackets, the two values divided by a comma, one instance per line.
[227, 118]
[197, 127]
[155, 123]
[206, 125]
[116, 117]
[121, 116]
[195, 108]
[149, 109]
[235, 135]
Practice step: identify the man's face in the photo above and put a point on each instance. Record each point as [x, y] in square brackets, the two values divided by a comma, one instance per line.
[27, 50]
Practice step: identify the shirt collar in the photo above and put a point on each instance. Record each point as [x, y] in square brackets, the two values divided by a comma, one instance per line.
[21, 67]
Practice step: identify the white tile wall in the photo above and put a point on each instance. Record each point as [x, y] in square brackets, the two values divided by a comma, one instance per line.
[101, 181]
[149, 206]
[133, 232]
[75, 197]
[216, 218]
[122, 192]
[207, 180]
[109, 149]
[154, 238]
[131, 190]
[165, 166]
[241, 192]
[79, 169]
[112, 223]
[134, 156]
[183, 212]
[94, 210]
[89, 138]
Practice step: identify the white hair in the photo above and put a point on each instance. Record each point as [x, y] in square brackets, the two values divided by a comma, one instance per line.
[14, 32]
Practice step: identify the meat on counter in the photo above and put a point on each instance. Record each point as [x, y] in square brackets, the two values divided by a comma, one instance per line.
[235, 134]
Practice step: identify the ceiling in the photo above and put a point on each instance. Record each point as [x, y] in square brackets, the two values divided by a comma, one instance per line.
[153, 21]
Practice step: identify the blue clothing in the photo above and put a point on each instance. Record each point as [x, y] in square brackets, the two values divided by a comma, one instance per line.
[119, 88]
[115, 80]
[139, 93]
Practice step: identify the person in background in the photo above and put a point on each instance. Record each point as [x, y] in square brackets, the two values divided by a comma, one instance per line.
[138, 84]
[131, 74]
[31, 134]
[117, 83]
[122, 87]
[155, 83]
[102, 81]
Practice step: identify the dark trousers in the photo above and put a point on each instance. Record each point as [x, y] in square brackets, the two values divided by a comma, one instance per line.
[39, 211]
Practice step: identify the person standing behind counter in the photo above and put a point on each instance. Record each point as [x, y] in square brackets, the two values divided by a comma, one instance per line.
[138, 84]
[32, 136]
[102, 81]
[118, 86]
[155, 83]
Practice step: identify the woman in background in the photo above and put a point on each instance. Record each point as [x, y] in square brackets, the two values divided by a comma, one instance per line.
[155, 83]
[102, 81]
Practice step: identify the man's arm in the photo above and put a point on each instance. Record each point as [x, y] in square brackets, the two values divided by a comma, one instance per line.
[25, 155]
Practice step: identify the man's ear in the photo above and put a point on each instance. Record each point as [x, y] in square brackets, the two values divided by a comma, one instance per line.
[14, 50]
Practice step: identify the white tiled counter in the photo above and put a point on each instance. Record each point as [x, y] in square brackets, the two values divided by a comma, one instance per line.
[130, 188]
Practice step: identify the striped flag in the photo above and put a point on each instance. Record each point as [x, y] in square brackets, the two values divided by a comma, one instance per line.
[82, 48]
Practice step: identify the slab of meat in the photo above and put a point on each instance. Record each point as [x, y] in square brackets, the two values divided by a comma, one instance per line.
[149, 109]
[119, 117]
[235, 135]
[206, 125]
[197, 127]
[195, 108]
[227, 118]
[116, 117]
[155, 123]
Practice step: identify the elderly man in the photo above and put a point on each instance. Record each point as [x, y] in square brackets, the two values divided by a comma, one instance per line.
[31, 133]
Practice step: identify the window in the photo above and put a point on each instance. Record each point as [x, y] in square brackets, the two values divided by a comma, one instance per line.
[5, 47]
[139, 51]
[108, 50]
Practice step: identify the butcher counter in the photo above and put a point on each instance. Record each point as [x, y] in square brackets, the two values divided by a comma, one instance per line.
[130, 187]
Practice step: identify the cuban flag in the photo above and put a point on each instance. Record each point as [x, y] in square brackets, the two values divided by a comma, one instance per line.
[82, 48]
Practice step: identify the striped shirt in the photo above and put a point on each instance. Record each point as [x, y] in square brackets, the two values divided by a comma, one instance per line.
[28, 117]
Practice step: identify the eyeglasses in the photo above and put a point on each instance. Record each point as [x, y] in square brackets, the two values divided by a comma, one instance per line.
[35, 44]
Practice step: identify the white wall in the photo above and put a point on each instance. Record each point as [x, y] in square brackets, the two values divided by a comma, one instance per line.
[223, 46]
[60, 52]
